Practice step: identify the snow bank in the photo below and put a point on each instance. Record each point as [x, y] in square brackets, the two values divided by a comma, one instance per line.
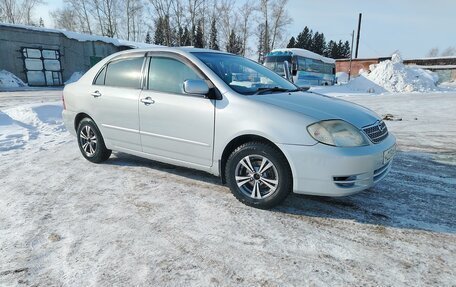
[74, 77]
[9, 80]
[342, 77]
[21, 124]
[360, 85]
[396, 77]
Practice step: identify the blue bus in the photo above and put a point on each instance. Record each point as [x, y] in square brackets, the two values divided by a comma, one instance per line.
[307, 68]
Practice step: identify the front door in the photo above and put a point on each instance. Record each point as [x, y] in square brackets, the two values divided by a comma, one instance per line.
[175, 125]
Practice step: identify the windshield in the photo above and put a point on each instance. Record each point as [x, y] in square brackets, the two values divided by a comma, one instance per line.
[275, 63]
[245, 76]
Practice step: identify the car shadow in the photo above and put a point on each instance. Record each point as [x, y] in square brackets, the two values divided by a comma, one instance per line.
[419, 193]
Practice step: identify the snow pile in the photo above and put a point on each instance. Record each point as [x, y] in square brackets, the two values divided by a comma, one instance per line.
[342, 77]
[451, 84]
[9, 80]
[74, 77]
[21, 124]
[396, 77]
[360, 85]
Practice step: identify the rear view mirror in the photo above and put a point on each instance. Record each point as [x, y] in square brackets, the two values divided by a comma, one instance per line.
[196, 87]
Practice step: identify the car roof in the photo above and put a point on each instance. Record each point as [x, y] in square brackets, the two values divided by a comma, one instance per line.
[179, 50]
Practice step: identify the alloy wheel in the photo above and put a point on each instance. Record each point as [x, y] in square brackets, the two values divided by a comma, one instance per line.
[88, 140]
[256, 176]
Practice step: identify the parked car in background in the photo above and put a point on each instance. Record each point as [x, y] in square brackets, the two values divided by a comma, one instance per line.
[231, 117]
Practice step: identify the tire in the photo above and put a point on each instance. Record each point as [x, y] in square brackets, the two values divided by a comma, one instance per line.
[91, 143]
[264, 188]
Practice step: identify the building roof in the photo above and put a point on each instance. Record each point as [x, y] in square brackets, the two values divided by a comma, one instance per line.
[81, 36]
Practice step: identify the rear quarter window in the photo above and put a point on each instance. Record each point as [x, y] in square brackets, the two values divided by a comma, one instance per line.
[100, 77]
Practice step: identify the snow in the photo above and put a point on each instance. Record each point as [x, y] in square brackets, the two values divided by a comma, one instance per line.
[130, 221]
[83, 37]
[389, 76]
[341, 77]
[360, 85]
[396, 77]
[74, 77]
[306, 53]
[9, 80]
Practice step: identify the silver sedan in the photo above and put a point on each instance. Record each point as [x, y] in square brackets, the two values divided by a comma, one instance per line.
[231, 117]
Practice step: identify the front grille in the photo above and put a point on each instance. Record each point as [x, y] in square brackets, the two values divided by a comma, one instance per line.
[376, 132]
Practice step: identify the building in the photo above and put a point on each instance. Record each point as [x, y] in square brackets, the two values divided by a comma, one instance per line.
[48, 57]
[445, 67]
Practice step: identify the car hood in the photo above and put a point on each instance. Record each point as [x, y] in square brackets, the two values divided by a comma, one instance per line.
[321, 107]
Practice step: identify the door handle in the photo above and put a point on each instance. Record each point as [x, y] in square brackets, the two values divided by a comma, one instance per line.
[147, 101]
[96, 94]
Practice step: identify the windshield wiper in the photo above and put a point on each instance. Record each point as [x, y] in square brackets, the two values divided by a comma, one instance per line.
[275, 89]
[299, 89]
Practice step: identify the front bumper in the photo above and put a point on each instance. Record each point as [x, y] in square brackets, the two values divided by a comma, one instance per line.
[335, 171]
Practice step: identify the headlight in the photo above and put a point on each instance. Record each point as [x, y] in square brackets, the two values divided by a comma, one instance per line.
[337, 133]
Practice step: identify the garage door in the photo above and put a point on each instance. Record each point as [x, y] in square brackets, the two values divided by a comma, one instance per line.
[42, 67]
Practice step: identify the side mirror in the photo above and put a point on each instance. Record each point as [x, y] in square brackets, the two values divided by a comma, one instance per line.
[287, 71]
[196, 87]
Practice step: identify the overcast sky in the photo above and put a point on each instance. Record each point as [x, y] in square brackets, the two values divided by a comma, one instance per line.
[411, 26]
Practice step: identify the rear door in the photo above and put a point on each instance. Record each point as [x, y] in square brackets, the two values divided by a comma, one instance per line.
[175, 125]
[115, 96]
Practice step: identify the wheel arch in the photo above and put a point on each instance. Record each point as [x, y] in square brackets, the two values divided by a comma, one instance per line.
[78, 118]
[238, 141]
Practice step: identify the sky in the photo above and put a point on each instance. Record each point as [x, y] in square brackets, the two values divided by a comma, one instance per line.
[412, 27]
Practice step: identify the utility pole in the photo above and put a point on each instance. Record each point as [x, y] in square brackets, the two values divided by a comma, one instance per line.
[357, 36]
[351, 56]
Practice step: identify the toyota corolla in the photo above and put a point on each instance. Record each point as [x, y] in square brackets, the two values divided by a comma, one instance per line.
[231, 117]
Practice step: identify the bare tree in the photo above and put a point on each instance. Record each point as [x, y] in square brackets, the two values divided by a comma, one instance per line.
[227, 20]
[163, 10]
[133, 19]
[74, 16]
[107, 14]
[245, 12]
[65, 18]
[434, 52]
[280, 19]
[19, 11]
[10, 11]
[274, 19]
[28, 7]
[450, 51]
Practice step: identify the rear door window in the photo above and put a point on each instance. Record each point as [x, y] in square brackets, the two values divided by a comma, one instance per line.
[125, 73]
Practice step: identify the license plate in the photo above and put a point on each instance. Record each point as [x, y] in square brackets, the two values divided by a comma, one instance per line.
[388, 154]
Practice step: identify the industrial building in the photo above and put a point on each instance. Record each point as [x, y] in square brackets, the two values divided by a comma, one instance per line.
[48, 57]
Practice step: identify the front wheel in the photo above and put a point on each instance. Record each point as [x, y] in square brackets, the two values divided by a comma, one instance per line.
[91, 142]
[258, 175]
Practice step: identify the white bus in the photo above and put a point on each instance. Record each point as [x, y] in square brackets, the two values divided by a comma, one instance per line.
[306, 68]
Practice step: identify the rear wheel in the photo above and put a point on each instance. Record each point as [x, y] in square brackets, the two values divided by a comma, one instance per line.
[258, 175]
[91, 143]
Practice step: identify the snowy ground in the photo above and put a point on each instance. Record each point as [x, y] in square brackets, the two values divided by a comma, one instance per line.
[65, 221]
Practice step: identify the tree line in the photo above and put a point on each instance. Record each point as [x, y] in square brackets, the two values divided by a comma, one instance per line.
[242, 27]
[230, 25]
[316, 43]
